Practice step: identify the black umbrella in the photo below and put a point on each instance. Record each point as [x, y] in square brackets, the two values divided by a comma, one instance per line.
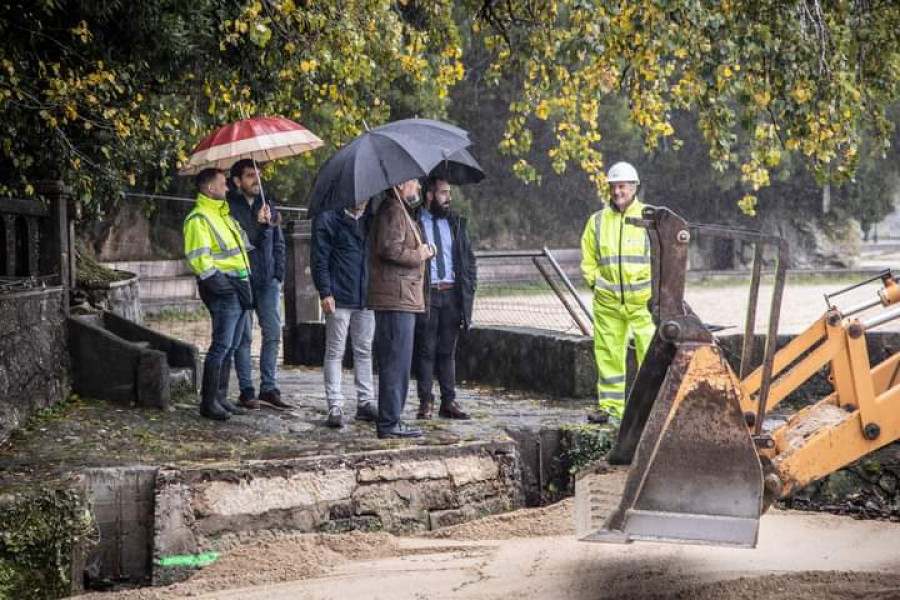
[460, 168]
[381, 158]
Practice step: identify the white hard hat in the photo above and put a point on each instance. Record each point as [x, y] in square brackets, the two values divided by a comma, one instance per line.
[622, 172]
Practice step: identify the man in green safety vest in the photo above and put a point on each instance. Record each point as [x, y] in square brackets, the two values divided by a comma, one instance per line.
[615, 262]
[216, 249]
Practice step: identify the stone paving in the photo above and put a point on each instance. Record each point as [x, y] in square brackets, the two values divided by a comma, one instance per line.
[87, 432]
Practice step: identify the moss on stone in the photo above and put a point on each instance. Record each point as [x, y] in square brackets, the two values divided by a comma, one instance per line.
[583, 444]
[89, 271]
[43, 535]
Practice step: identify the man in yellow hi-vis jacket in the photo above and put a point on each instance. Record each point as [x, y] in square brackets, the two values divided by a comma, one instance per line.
[615, 262]
[215, 247]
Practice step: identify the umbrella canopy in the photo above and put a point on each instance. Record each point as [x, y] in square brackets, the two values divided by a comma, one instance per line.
[383, 157]
[258, 138]
[460, 168]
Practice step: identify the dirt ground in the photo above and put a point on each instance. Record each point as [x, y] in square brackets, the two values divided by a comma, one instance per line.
[532, 554]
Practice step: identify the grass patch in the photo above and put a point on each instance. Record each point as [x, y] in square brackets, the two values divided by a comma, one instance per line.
[90, 271]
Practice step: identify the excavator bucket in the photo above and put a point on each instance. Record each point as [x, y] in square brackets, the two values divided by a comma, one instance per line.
[685, 467]
[695, 476]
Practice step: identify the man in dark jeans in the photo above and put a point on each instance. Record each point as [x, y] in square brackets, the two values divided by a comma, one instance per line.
[216, 252]
[262, 224]
[452, 277]
[397, 259]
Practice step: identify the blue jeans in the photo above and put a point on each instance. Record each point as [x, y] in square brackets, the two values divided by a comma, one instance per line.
[268, 310]
[228, 323]
[394, 333]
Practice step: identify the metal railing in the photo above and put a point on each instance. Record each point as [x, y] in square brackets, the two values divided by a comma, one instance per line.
[528, 288]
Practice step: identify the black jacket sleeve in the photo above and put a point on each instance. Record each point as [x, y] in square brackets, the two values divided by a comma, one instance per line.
[277, 245]
[320, 253]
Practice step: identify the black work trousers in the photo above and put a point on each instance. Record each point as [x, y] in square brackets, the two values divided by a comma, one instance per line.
[394, 332]
[436, 334]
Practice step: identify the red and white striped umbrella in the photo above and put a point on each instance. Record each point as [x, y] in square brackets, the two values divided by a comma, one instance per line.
[260, 138]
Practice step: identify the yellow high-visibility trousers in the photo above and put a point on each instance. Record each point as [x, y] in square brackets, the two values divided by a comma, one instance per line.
[613, 325]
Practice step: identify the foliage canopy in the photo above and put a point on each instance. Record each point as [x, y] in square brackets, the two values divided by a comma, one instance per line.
[111, 95]
[765, 78]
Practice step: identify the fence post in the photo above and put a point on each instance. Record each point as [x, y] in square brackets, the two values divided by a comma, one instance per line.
[301, 299]
[58, 253]
[585, 329]
[568, 283]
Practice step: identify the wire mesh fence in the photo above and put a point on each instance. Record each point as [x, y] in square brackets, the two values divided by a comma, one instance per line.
[526, 289]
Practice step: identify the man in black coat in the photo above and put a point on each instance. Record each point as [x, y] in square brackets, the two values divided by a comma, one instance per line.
[452, 276]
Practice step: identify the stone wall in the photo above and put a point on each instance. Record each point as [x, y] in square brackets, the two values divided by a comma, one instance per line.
[401, 491]
[528, 359]
[34, 359]
[516, 358]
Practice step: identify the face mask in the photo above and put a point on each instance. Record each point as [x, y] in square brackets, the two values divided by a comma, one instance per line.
[412, 201]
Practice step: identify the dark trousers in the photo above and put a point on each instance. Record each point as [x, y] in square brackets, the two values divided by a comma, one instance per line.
[228, 322]
[394, 333]
[436, 334]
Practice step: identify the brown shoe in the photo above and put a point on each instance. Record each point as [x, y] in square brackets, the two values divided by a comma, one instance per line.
[247, 399]
[426, 410]
[452, 410]
[273, 398]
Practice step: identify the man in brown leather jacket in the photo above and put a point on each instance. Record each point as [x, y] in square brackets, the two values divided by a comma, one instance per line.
[397, 292]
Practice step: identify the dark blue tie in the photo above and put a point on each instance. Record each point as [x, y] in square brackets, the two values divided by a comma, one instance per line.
[441, 267]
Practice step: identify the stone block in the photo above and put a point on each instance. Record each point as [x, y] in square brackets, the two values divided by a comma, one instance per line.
[474, 493]
[383, 498]
[258, 495]
[466, 469]
[447, 518]
[415, 470]
[174, 527]
[360, 523]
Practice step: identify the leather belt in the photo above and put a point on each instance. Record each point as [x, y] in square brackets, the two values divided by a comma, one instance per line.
[443, 287]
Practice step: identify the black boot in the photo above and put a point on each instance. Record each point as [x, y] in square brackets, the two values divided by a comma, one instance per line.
[209, 407]
[222, 396]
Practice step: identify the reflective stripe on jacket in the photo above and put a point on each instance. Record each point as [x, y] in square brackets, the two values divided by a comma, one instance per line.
[616, 263]
[213, 240]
